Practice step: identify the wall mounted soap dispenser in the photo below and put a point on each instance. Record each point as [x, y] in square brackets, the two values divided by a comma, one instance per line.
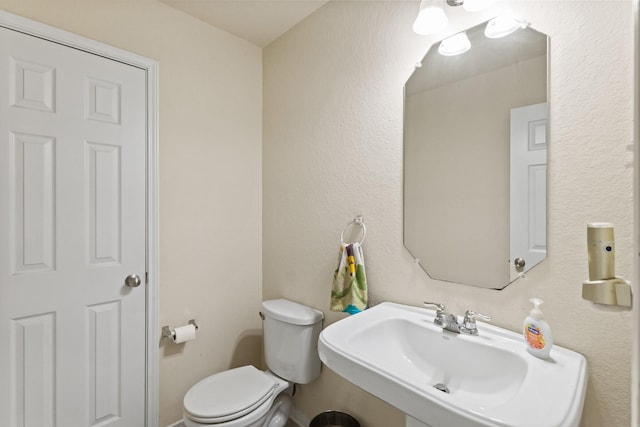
[603, 286]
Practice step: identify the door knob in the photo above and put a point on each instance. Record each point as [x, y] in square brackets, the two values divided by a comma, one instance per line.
[133, 281]
[519, 263]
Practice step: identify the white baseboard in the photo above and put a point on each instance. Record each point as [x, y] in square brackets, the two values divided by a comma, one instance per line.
[177, 424]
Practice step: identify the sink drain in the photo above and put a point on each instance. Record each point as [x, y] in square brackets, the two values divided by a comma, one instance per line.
[443, 388]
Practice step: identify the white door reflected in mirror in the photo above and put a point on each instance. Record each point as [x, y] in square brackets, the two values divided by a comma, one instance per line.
[528, 209]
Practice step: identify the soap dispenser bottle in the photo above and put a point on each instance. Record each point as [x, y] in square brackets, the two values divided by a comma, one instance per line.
[537, 333]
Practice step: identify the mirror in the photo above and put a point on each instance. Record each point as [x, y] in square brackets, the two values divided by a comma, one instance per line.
[475, 162]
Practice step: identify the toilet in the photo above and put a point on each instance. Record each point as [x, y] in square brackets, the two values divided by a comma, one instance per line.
[248, 397]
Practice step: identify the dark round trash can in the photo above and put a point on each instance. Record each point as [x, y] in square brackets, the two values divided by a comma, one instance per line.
[334, 419]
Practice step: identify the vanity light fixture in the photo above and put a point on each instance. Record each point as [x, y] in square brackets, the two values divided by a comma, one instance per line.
[502, 26]
[454, 45]
[430, 20]
[477, 5]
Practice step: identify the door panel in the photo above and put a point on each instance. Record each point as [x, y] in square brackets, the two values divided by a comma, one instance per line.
[72, 227]
[528, 192]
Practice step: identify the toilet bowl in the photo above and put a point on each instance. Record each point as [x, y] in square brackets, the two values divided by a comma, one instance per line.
[248, 397]
[241, 397]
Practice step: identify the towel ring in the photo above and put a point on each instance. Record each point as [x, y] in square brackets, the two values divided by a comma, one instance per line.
[359, 220]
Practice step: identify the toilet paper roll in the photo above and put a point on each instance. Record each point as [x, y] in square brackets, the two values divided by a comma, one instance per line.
[184, 333]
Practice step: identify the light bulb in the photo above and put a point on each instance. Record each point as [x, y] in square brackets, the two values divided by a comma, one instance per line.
[430, 20]
[454, 45]
[501, 26]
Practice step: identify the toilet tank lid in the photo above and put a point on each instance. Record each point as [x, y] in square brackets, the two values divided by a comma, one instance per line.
[291, 312]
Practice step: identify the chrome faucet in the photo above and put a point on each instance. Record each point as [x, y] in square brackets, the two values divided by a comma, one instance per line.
[443, 319]
[450, 321]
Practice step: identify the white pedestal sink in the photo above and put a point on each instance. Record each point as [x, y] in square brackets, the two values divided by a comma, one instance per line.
[443, 379]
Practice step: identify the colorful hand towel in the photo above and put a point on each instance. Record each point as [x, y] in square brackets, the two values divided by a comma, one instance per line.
[349, 288]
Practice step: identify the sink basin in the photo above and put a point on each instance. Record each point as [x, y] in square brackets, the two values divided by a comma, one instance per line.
[444, 379]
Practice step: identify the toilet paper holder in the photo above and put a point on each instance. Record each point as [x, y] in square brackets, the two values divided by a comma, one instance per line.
[167, 332]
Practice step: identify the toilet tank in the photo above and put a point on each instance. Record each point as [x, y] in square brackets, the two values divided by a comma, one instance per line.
[291, 332]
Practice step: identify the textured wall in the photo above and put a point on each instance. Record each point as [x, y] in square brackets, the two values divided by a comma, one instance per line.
[332, 149]
[210, 175]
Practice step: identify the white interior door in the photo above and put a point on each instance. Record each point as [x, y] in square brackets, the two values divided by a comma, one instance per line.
[528, 191]
[72, 227]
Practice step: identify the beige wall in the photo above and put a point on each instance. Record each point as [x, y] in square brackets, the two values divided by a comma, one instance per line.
[332, 147]
[210, 176]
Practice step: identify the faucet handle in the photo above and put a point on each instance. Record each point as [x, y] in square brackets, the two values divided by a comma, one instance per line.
[469, 323]
[440, 313]
[472, 315]
[437, 305]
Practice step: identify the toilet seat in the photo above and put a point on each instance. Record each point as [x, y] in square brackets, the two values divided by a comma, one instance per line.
[229, 395]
